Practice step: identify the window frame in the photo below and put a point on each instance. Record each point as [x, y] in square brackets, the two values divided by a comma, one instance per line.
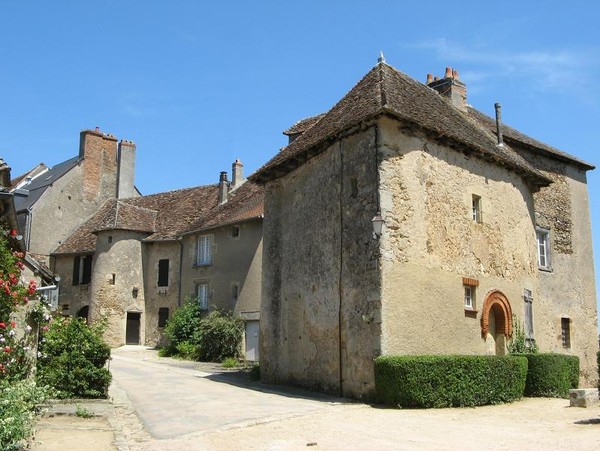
[546, 264]
[163, 317]
[565, 332]
[476, 213]
[163, 282]
[82, 269]
[204, 298]
[469, 294]
[204, 250]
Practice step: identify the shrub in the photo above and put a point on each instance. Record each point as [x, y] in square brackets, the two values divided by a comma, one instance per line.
[445, 381]
[518, 344]
[187, 350]
[219, 336]
[19, 403]
[182, 326]
[71, 359]
[551, 375]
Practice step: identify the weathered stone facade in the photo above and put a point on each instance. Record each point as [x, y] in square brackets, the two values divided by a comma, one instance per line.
[457, 261]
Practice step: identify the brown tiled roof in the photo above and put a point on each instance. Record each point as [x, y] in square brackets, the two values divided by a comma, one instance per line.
[386, 91]
[304, 124]
[163, 216]
[514, 136]
[243, 204]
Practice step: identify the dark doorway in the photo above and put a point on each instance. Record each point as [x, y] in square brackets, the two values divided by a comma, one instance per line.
[132, 332]
[84, 312]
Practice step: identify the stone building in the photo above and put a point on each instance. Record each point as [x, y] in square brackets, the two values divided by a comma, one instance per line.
[136, 260]
[480, 224]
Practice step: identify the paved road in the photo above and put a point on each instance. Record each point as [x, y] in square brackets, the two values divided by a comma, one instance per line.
[174, 398]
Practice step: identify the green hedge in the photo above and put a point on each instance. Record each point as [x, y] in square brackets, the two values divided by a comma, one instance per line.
[551, 375]
[447, 381]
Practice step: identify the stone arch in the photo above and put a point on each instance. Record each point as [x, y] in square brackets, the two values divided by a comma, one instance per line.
[497, 302]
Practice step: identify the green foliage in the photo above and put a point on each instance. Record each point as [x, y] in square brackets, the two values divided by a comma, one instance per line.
[551, 375]
[446, 381]
[230, 362]
[182, 326]
[19, 403]
[518, 344]
[82, 412]
[194, 335]
[219, 336]
[187, 350]
[71, 359]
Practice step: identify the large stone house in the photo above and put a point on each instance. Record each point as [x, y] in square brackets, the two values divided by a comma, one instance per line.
[481, 225]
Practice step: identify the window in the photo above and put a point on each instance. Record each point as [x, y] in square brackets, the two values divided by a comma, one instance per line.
[470, 287]
[235, 291]
[204, 250]
[163, 316]
[234, 232]
[565, 331]
[476, 208]
[543, 248]
[109, 239]
[163, 273]
[113, 279]
[202, 293]
[528, 298]
[469, 298]
[82, 270]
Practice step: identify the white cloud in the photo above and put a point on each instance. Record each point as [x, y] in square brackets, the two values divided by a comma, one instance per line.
[546, 69]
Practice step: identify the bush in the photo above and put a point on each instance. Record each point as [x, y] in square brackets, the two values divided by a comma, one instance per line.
[551, 375]
[446, 381]
[211, 338]
[71, 359]
[219, 336]
[19, 403]
[182, 327]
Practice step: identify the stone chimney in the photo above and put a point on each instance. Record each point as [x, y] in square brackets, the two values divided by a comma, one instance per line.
[98, 151]
[126, 170]
[451, 87]
[223, 187]
[4, 174]
[237, 174]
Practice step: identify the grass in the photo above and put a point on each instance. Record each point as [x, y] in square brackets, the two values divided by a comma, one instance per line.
[82, 412]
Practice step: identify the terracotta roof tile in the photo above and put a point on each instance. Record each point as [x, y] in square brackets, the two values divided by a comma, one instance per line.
[303, 124]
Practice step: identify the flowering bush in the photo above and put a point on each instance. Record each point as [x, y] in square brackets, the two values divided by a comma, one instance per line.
[15, 362]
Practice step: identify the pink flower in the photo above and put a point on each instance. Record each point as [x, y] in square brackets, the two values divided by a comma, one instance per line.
[2, 325]
[6, 348]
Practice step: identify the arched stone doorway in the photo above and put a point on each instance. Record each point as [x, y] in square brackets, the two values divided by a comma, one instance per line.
[496, 322]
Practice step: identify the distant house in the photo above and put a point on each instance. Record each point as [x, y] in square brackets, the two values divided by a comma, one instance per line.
[136, 260]
[403, 221]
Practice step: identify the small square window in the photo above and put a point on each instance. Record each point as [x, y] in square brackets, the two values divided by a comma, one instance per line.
[234, 232]
[476, 208]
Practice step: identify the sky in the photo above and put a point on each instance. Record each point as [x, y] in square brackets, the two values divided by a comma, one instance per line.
[198, 84]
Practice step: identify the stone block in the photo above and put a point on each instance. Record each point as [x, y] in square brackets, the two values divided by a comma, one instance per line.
[584, 397]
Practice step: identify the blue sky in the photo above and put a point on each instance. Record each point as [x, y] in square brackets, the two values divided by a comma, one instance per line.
[198, 84]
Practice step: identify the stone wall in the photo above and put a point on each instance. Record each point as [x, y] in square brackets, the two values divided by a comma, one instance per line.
[71, 297]
[432, 242]
[568, 290]
[320, 307]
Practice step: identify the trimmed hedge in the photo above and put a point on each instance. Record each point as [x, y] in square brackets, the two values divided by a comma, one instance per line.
[449, 381]
[551, 375]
